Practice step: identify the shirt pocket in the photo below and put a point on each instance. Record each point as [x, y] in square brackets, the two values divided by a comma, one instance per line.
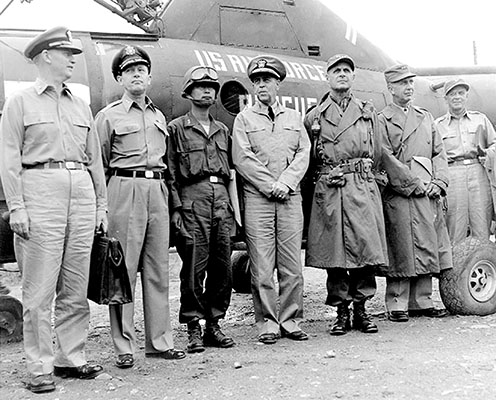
[450, 139]
[158, 139]
[223, 154]
[81, 127]
[291, 134]
[127, 138]
[258, 141]
[40, 128]
[192, 158]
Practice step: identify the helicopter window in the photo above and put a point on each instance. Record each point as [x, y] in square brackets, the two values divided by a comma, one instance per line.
[273, 26]
[233, 96]
[314, 51]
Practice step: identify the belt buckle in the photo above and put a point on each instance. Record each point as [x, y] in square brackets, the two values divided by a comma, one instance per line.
[148, 174]
[70, 165]
[214, 179]
[467, 161]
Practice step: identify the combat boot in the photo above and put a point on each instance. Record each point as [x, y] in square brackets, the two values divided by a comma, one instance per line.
[342, 323]
[195, 342]
[361, 320]
[214, 337]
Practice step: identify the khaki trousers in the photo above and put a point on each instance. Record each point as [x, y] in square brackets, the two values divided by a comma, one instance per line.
[403, 294]
[139, 218]
[55, 261]
[273, 238]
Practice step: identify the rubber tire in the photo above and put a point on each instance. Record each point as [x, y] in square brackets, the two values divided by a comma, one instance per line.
[240, 263]
[10, 320]
[469, 288]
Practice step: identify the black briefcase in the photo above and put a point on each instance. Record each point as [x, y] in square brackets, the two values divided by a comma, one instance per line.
[109, 281]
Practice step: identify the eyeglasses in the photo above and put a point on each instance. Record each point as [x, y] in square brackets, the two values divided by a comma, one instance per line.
[204, 72]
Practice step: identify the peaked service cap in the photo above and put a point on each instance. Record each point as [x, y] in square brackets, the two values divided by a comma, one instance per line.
[127, 56]
[56, 38]
[266, 65]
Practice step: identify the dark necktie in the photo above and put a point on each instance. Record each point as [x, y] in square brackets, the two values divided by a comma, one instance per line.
[271, 113]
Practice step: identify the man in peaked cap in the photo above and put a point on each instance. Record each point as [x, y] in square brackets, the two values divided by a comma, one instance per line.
[200, 165]
[415, 162]
[470, 143]
[53, 179]
[346, 229]
[133, 135]
[271, 152]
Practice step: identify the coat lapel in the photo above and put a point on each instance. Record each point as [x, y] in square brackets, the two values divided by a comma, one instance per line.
[351, 115]
[413, 120]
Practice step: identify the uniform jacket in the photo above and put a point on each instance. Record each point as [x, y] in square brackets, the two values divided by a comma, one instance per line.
[346, 227]
[193, 155]
[266, 151]
[410, 220]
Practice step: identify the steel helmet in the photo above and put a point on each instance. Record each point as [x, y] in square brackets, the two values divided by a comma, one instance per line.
[199, 74]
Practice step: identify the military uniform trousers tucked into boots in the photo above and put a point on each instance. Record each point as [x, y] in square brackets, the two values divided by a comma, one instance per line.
[205, 250]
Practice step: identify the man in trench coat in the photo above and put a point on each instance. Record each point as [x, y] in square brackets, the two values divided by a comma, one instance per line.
[346, 231]
[415, 162]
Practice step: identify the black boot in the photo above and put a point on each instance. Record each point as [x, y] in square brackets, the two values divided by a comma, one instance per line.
[195, 342]
[342, 323]
[214, 337]
[361, 320]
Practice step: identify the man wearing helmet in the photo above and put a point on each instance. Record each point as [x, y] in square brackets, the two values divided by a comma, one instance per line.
[271, 151]
[199, 165]
[133, 134]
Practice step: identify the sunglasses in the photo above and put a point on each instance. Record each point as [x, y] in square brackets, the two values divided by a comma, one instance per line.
[204, 72]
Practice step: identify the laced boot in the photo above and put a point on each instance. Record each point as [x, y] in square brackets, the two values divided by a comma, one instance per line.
[195, 343]
[361, 320]
[342, 323]
[214, 337]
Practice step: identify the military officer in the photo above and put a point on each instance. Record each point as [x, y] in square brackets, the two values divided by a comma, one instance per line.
[271, 153]
[415, 162]
[467, 136]
[133, 134]
[346, 230]
[52, 175]
[199, 163]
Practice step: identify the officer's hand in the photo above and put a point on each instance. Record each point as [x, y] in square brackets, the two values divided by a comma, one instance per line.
[177, 220]
[280, 191]
[101, 220]
[433, 191]
[420, 190]
[19, 222]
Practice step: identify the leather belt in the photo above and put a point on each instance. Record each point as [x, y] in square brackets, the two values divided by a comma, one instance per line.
[148, 173]
[58, 165]
[467, 161]
[355, 165]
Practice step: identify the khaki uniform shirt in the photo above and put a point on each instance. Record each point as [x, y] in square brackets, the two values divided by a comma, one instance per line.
[266, 151]
[462, 135]
[38, 126]
[132, 138]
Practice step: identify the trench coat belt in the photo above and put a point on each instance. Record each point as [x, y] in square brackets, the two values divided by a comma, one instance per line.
[58, 165]
[466, 161]
[147, 173]
[354, 165]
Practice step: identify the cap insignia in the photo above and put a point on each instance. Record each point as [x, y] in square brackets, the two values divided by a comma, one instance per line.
[129, 51]
[69, 35]
[261, 63]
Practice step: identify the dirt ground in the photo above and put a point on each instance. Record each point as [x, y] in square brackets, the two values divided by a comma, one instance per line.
[452, 358]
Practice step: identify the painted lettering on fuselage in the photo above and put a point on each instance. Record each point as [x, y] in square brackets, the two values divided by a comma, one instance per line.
[239, 63]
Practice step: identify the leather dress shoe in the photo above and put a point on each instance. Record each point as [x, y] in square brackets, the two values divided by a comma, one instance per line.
[268, 338]
[171, 354]
[124, 361]
[296, 335]
[86, 371]
[398, 316]
[41, 384]
[429, 312]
